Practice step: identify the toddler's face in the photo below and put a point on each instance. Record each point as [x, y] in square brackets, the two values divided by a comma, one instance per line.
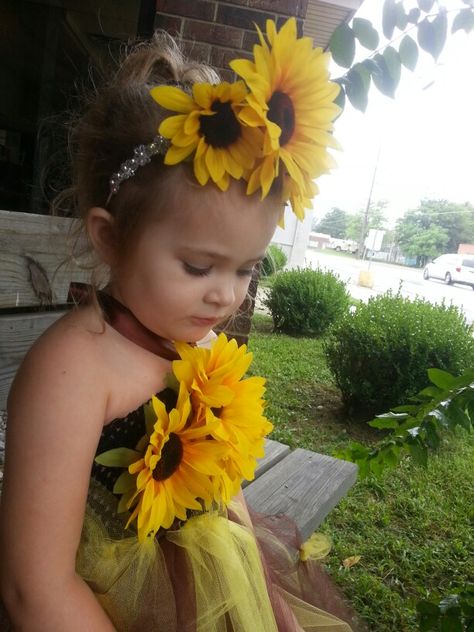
[191, 269]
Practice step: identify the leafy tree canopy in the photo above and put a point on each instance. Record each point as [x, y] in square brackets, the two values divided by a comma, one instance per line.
[406, 29]
[376, 219]
[434, 228]
[334, 223]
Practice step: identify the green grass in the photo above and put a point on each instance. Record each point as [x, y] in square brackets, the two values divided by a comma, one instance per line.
[412, 527]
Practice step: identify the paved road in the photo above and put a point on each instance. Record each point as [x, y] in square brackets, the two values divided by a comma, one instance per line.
[388, 276]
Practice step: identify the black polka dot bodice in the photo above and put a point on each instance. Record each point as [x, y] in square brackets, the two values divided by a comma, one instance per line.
[119, 433]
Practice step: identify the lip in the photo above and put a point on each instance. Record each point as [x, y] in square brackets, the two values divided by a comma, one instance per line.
[209, 322]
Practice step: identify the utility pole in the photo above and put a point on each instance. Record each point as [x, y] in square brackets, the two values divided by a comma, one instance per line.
[365, 221]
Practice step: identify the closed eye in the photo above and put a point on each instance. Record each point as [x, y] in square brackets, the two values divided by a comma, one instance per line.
[195, 271]
[246, 272]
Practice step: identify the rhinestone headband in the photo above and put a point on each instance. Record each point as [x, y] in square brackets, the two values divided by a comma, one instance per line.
[142, 155]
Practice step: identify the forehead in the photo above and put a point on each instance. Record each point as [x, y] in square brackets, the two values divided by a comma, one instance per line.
[230, 223]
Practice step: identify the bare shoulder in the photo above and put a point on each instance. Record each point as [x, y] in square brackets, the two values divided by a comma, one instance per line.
[64, 361]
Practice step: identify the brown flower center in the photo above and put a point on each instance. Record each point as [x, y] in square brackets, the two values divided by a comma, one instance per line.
[171, 456]
[222, 129]
[282, 112]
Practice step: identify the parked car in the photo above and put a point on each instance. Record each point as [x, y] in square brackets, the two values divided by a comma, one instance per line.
[342, 245]
[451, 269]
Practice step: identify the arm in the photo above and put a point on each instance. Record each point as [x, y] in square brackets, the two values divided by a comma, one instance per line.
[56, 411]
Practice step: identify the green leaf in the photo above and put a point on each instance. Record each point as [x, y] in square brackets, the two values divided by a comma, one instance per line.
[463, 20]
[408, 52]
[125, 483]
[382, 78]
[451, 623]
[432, 35]
[118, 457]
[392, 59]
[342, 45]
[401, 17]
[340, 100]
[432, 437]
[418, 451]
[365, 33]
[357, 87]
[389, 18]
[458, 416]
[425, 5]
[384, 424]
[442, 379]
[427, 607]
[413, 15]
[430, 392]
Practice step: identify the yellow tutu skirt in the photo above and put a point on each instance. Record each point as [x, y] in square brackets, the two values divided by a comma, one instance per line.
[207, 576]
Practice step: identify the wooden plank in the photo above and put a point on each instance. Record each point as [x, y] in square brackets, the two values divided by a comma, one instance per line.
[274, 452]
[17, 334]
[304, 486]
[40, 241]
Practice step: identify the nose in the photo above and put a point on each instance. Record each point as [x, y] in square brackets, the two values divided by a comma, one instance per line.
[222, 292]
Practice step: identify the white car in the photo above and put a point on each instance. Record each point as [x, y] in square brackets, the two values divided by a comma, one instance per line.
[452, 269]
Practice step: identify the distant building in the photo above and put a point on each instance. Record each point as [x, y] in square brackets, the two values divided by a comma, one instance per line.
[466, 249]
[318, 240]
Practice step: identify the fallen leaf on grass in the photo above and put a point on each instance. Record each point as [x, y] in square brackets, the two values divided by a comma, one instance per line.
[351, 561]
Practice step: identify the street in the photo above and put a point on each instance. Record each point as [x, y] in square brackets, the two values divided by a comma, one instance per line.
[389, 276]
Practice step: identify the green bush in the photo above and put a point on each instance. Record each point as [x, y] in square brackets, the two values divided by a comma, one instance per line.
[380, 354]
[306, 302]
[274, 261]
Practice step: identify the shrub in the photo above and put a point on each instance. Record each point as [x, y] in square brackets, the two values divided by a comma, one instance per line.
[380, 354]
[274, 261]
[306, 302]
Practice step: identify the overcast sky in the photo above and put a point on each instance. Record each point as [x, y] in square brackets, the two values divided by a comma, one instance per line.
[425, 135]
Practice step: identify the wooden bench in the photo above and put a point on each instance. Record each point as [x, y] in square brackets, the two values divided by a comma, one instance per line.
[299, 483]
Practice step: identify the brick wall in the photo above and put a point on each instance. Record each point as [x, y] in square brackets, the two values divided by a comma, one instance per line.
[216, 32]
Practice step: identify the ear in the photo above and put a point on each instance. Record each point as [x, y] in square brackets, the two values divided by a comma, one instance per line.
[101, 231]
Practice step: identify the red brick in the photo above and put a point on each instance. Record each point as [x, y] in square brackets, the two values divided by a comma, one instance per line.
[169, 23]
[242, 18]
[287, 7]
[222, 56]
[226, 74]
[250, 38]
[188, 8]
[197, 51]
[242, 3]
[212, 33]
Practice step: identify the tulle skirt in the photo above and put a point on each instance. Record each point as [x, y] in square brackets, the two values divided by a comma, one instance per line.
[213, 574]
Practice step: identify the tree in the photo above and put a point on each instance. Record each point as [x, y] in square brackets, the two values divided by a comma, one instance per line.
[334, 223]
[428, 23]
[376, 219]
[435, 227]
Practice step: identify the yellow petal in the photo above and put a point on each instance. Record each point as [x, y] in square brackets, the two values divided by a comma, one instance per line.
[215, 167]
[172, 125]
[173, 98]
[202, 176]
[203, 94]
[175, 155]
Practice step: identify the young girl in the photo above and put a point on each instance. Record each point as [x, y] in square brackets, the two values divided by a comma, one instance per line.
[180, 181]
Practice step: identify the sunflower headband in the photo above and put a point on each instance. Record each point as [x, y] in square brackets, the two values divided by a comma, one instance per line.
[277, 121]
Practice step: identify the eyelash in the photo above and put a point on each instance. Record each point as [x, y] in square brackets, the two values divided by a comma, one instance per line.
[205, 271]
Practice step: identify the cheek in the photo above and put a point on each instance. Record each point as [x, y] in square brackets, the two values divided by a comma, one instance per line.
[242, 291]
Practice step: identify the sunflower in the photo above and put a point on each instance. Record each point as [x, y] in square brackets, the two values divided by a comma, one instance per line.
[229, 406]
[173, 475]
[210, 374]
[292, 98]
[208, 124]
